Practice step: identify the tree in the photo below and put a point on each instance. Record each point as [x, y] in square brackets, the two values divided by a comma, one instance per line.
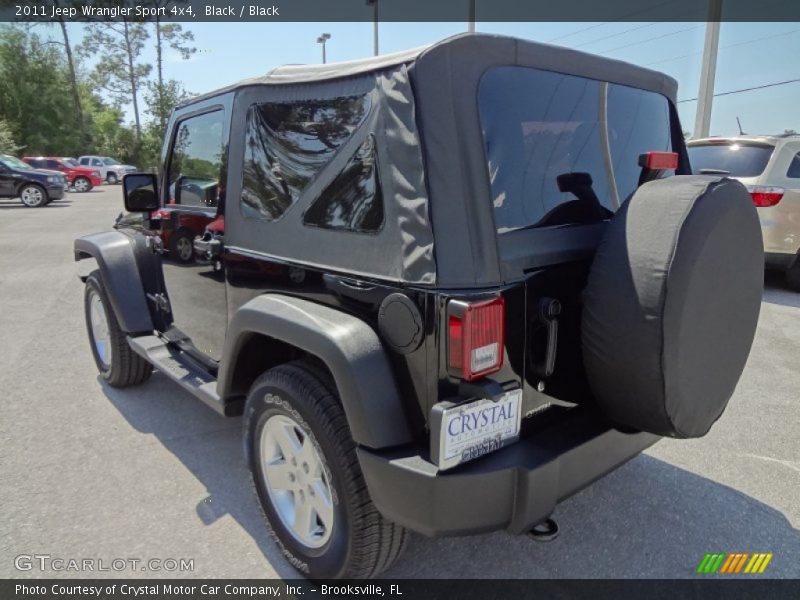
[32, 99]
[7, 144]
[71, 62]
[174, 36]
[121, 72]
[160, 101]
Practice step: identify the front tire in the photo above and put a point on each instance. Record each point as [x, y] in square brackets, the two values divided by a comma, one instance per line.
[33, 196]
[118, 364]
[307, 478]
[111, 178]
[82, 184]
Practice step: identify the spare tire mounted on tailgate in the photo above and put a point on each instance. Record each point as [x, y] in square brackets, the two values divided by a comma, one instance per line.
[671, 304]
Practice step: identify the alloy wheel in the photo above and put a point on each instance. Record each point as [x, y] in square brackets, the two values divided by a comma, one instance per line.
[101, 336]
[184, 248]
[32, 196]
[296, 481]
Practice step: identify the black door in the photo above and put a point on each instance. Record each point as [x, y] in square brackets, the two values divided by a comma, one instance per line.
[191, 216]
[7, 181]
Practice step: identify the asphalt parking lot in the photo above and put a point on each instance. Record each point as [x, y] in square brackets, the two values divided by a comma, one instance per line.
[88, 471]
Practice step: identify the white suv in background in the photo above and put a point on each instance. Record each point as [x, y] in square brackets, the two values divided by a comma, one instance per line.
[110, 169]
[769, 165]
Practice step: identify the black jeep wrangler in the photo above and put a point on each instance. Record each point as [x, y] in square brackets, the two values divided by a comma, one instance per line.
[446, 289]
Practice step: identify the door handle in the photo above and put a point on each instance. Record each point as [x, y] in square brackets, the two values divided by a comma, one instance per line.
[354, 284]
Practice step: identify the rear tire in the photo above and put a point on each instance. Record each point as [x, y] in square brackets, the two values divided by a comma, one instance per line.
[793, 274]
[118, 364]
[111, 178]
[347, 536]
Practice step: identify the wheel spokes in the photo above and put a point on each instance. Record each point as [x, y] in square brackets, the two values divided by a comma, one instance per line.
[304, 523]
[279, 476]
[287, 441]
[307, 458]
[322, 504]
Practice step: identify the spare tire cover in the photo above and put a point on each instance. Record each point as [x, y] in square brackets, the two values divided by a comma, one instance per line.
[672, 302]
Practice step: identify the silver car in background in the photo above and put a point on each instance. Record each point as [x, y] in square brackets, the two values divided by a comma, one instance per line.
[769, 165]
[110, 168]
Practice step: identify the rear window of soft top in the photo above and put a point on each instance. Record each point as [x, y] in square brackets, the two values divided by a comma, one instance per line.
[538, 125]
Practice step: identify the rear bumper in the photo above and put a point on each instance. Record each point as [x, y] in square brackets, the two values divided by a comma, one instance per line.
[778, 260]
[513, 489]
[780, 225]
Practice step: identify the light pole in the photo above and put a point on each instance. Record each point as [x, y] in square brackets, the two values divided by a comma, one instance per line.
[323, 39]
[708, 71]
[375, 44]
[471, 17]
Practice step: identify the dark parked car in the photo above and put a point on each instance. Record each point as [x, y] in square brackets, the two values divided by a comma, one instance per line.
[511, 285]
[81, 179]
[35, 187]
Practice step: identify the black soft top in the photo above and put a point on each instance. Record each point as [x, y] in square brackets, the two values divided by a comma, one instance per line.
[439, 226]
[557, 57]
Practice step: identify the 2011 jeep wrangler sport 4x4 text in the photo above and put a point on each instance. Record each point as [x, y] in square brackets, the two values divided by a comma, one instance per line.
[446, 289]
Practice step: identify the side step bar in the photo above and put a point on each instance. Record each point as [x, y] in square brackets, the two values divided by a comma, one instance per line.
[184, 371]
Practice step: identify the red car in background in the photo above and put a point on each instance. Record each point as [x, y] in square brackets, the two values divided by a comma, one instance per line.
[178, 231]
[81, 179]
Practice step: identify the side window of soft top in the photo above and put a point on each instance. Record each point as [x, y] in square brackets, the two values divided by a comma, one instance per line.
[353, 201]
[288, 143]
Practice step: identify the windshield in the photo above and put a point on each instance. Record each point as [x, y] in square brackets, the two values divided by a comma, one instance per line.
[70, 162]
[729, 158]
[542, 127]
[14, 163]
[110, 161]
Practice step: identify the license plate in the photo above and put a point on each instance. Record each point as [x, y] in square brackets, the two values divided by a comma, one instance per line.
[470, 430]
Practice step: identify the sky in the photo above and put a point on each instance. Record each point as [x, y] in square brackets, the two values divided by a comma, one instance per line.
[750, 55]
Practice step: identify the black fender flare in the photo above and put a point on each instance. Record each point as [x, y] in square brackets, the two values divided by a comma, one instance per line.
[346, 344]
[116, 259]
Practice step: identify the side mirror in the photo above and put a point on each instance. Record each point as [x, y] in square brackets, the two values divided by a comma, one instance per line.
[139, 191]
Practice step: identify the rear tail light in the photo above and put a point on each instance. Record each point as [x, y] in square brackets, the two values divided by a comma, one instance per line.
[475, 337]
[764, 195]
